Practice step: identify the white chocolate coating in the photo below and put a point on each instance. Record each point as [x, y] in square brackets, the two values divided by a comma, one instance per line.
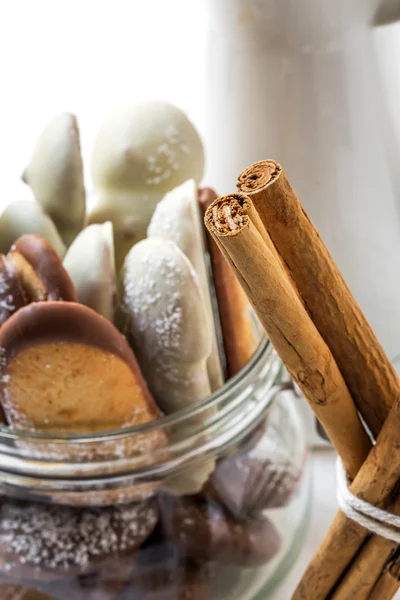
[166, 315]
[147, 145]
[22, 217]
[177, 218]
[55, 175]
[141, 152]
[91, 265]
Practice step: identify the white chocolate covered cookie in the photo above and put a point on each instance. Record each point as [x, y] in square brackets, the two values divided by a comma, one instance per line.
[177, 218]
[90, 263]
[55, 175]
[22, 217]
[167, 323]
[141, 152]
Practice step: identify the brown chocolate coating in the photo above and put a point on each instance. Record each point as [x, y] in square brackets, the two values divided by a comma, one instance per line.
[65, 322]
[64, 367]
[41, 542]
[204, 531]
[47, 267]
[12, 296]
[247, 485]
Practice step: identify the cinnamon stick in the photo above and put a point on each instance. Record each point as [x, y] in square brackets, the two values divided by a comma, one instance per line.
[365, 571]
[375, 483]
[288, 326]
[237, 330]
[386, 587]
[368, 373]
[370, 566]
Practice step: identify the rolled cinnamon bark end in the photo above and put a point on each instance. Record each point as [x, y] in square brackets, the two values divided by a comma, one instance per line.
[228, 215]
[287, 324]
[255, 177]
[367, 371]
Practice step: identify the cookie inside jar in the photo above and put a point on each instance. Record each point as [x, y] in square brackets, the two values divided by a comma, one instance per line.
[144, 454]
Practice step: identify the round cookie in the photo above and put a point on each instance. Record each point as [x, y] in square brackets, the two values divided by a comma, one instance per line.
[90, 263]
[12, 295]
[55, 175]
[64, 368]
[203, 531]
[22, 217]
[42, 542]
[40, 270]
[167, 323]
[141, 152]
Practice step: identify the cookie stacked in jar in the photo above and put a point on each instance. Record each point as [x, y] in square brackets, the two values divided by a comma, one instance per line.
[150, 444]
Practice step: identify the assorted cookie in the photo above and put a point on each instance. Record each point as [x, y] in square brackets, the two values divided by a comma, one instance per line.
[90, 263]
[65, 368]
[167, 323]
[43, 542]
[55, 175]
[141, 152]
[116, 324]
[204, 531]
[40, 270]
[177, 218]
[22, 217]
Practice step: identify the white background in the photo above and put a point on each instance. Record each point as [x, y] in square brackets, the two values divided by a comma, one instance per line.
[90, 56]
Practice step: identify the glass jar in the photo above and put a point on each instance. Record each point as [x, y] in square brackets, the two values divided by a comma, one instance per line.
[210, 503]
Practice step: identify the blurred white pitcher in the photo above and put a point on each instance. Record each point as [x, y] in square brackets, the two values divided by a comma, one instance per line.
[298, 81]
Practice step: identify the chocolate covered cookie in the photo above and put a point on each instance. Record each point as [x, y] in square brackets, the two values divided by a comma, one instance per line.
[204, 531]
[12, 295]
[40, 270]
[248, 485]
[64, 368]
[46, 542]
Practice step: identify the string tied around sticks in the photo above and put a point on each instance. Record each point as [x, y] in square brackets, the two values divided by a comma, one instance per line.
[377, 521]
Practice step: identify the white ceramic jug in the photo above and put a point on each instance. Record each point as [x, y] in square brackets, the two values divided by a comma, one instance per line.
[297, 80]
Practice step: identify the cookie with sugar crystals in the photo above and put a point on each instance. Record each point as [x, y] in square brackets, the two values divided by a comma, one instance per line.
[167, 321]
[64, 368]
[177, 218]
[40, 270]
[42, 542]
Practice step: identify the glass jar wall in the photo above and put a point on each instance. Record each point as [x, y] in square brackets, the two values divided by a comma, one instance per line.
[217, 509]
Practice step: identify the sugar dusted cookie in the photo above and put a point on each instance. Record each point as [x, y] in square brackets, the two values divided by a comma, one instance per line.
[48, 542]
[90, 263]
[55, 175]
[167, 323]
[65, 368]
[177, 218]
[40, 270]
[22, 217]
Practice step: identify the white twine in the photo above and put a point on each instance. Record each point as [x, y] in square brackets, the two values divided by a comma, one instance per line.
[374, 519]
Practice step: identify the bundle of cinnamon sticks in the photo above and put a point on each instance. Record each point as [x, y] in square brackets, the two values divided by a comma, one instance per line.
[330, 350]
